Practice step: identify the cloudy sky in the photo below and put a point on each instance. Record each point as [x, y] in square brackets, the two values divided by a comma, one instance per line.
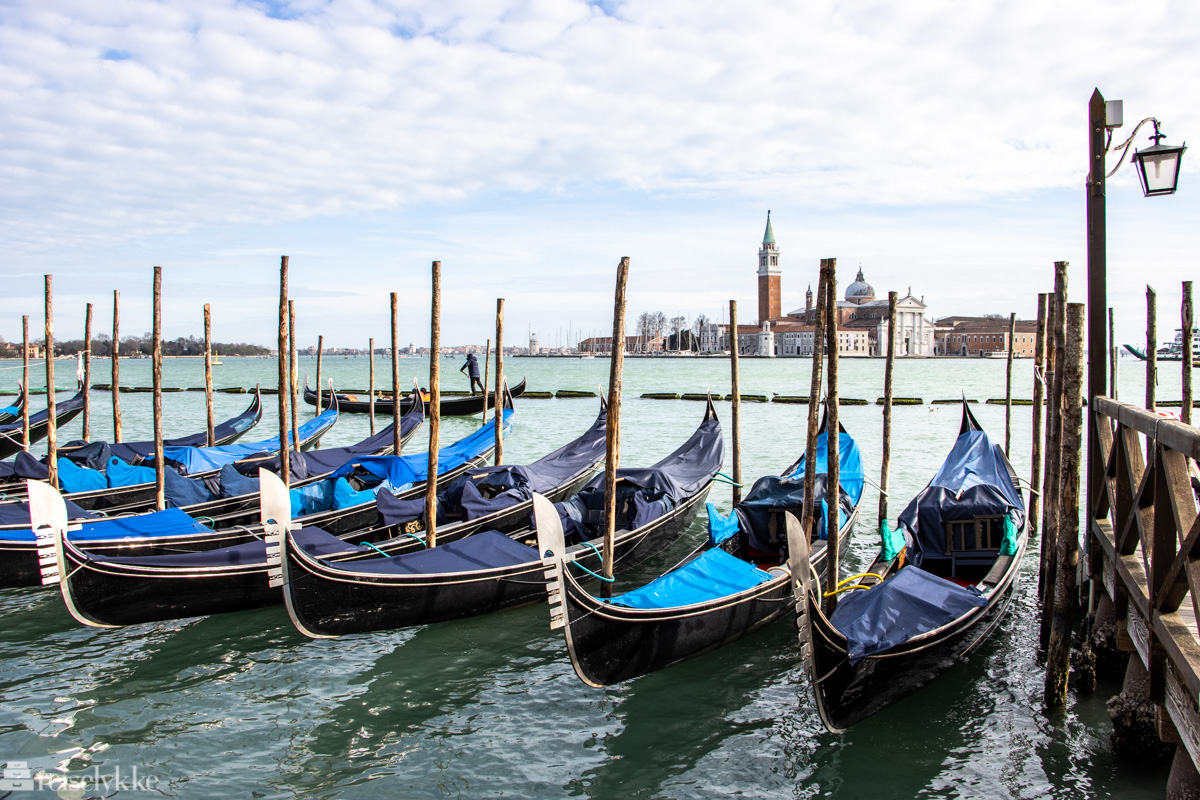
[529, 145]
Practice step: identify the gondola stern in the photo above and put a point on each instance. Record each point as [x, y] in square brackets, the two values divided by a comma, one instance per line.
[552, 549]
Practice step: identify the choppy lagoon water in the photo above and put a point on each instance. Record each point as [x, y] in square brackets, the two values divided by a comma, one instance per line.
[490, 707]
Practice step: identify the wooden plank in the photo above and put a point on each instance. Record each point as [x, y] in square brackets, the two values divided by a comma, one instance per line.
[1139, 632]
[1180, 706]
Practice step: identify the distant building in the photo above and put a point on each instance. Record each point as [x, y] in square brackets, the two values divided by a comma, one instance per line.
[534, 347]
[633, 344]
[984, 336]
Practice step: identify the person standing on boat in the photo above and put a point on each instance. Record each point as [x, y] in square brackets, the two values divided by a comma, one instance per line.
[472, 370]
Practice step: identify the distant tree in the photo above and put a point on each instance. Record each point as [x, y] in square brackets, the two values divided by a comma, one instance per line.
[698, 323]
[678, 324]
[658, 323]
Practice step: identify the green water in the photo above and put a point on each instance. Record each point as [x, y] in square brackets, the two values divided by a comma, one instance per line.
[243, 705]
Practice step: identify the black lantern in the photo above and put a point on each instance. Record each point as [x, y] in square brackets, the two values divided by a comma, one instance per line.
[1158, 166]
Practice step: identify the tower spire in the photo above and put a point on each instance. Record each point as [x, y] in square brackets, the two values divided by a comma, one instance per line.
[768, 234]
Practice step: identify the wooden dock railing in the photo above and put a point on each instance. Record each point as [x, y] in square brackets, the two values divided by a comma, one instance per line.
[1144, 546]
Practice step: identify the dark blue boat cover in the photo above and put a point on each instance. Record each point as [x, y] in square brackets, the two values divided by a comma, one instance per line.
[25, 467]
[712, 575]
[906, 605]
[309, 464]
[203, 459]
[18, 514]
[313, 540]
[973, 481]
[235, 484]
[660, 487]
[171, 522]
[87, 454]
[401, 472]
[484, 550]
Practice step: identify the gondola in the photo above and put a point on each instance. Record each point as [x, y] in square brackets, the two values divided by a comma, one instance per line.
[109, 590]
[94, 454]
[228, 519]
[121, 485]
[12, 412]
[39, 424]
[940, 585]
[738, 582]
[359, 402]
[490, 570]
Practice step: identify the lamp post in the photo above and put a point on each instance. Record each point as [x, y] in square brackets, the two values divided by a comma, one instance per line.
[1158, 170]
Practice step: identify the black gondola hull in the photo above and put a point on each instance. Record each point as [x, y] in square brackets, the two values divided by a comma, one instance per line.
[453, 406]
[330, 602]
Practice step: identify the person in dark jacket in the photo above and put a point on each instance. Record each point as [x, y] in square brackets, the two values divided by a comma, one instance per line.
[472, 370]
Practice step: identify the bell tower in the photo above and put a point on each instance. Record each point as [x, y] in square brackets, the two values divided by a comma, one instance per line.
[769, 302]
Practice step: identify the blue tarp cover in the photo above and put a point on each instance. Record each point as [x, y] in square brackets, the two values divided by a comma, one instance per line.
[119, 473]
[203, 459]
[906, 605]
[171, 522]
[403, 471]
[484, 550]
[712, 575]
[720, 527]
[18, 514]
[73, 478]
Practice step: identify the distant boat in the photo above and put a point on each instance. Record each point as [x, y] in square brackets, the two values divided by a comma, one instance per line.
[216, 359]
[1173, 351]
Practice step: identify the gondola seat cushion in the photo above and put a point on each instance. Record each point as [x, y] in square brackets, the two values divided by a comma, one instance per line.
[28, 467]
[73, 478]
[121, 474]
[319, 543]
[906, 605]
[235, 484]
[346, 496]
[712, 575]
[181, 491]
[482, 551]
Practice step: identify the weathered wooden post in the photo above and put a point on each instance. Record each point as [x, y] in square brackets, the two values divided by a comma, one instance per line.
[1039, 401]
[499, 407]
[736, 403]
[1112, 356]
[814, 406]
[832, 543]
[1012, 341]
[51, 422]
[25, 381]
[371, 379]
[294, 379]
[1185, 413]
[284, 463]
[320, 353]
[394, 298]
[208, 389]
[612, 436]
[116, 366]
[1053, 468]
[1151, 346]
[487, 365]
[1067, 547]
[160, 496]
[87, 373]
[889, 367]
[435, 396]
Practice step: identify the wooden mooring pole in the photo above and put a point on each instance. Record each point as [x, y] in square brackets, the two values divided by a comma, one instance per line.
[1112, 356]
[208, 389]
[294, 379]
[1058, 656]
[832, 543]
[320, 354]
[394, 300]
[499, 407]
[487, 366]
[1185, 413]
[51, 422]
[435, 395]
[116, 366]
[284, 465]
[1012, 341]
[371, 380]
[814, 406]
[87, 373]
[612, 436]
[1039, 402]
[888, 370]
[735, 403]
[1056, 338]
[25, 381]
[1151, 346]
[160, 494]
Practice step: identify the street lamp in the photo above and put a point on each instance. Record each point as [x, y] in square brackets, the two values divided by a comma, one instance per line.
[1158, 171]
[1158, 166]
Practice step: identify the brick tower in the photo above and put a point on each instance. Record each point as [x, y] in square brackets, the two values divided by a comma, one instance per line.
[769, 303]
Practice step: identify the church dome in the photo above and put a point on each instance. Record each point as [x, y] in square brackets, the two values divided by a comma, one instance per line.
[860, 291]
